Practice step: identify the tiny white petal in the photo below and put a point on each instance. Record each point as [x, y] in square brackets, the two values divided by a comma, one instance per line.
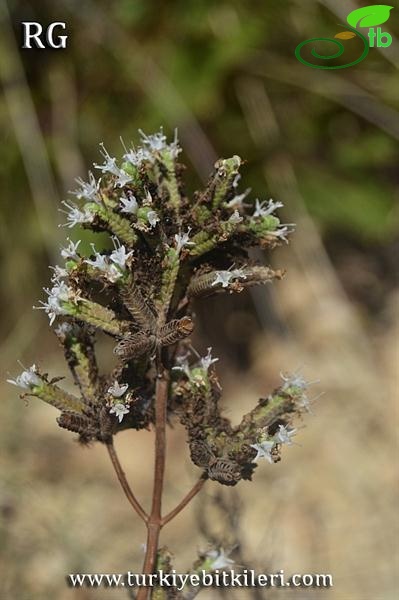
[75, 216]
[128, 205]
[88, 190]
[223, 278]
[28, 379]
[182, 240]
[119, 410]
[152, 217]
[235, 218]
[284, 435]
[220, 559]
[116, 390]
[207, 360]
[264, 450]
[266, 208]
[71, 251]
[119, 256]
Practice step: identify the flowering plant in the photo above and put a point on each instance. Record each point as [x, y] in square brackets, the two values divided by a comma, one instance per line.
[168, 250]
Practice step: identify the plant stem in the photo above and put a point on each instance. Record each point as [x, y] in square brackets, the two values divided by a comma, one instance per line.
[154, 523]
[187, 498]
[123, 481]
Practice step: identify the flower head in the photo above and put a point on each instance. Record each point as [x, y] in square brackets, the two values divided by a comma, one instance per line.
[28, 379]
[119, 410]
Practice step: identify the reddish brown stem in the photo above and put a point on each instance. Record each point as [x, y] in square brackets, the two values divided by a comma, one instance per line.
[187, 498]
[123, 481]
[154, 523]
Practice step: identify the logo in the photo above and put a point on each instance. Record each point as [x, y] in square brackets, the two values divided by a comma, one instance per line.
[32, 33]
[367, 16]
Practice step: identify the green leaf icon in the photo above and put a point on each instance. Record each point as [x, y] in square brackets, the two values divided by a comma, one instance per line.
[369, 16]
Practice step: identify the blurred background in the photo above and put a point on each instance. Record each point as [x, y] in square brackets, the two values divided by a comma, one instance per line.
[323, 142]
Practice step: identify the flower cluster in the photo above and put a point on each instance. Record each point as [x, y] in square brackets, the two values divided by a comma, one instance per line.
[165, 251]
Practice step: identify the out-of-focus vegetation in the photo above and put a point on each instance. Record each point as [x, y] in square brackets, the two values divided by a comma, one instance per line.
[326, 144]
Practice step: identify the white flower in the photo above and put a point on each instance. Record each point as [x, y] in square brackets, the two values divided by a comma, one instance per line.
[238, 200]
[264, 450]
[220, 559]
[182, 364]
[100, 260]
[88, 190]
[75, 216]
[294, 380]
[119, 256]
[238, 273]
[284, 435]
[235, 218]
[122, 179]
[282, 232]
[110, 166]
[152, 217]
[236, 180]
[136, 157]
[157, 142]
[113, 273]
[119, 410]
[28, 379]
[117, 390]
[65, 329]
[182, 240]
[223, 277]
[266, 208]
[58, 294]
[207, 360]
[59, 273]
[71, 250]
[128, 205]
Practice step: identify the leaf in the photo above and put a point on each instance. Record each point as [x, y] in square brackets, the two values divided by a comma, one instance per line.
[345, 35]
[369, 16]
